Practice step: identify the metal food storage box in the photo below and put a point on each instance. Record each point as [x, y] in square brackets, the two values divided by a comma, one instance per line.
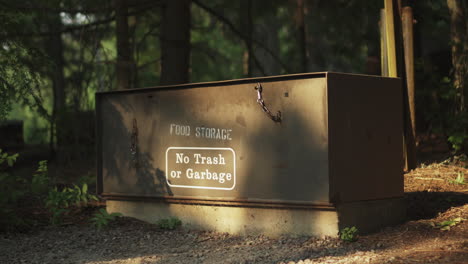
[295, 154]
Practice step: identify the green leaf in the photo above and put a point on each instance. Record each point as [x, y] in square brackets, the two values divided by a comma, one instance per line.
[116, 214]
[445, 228]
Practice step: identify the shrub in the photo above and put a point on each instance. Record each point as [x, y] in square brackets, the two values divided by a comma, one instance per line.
[40, 179]
[102, 218]
[58, 202]
[169, 223]
[349, 234]
[11, 191]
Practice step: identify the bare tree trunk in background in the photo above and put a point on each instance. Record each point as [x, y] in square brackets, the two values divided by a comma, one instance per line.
[459, 40]
[267, 31]
[132, 26]
[124, 64]
[311, 44]
[175, 42]
[302, 34]
[408, 42]
[55, 50]
[247, 27]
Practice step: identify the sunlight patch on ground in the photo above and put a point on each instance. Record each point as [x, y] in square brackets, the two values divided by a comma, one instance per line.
[136, 260]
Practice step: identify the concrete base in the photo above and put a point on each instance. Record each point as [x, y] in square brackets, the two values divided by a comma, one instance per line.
[366, 216]
[371, 216]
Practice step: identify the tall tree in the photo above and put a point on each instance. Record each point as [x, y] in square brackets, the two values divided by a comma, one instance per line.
[459, 44]
[54, 48]
[248, 26]
[302, 34]
[124, 65]
[266, 29]
[175, 42]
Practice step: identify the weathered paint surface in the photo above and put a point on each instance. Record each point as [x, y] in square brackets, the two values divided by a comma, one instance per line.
[339, 140]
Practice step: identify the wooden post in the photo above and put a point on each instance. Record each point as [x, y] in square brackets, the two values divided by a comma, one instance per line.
[390, 37]
[396, 68]
[407, 25]
[383, 45]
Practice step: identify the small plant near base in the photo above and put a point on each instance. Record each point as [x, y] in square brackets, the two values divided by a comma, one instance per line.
[10, 159]
[446, 225]
[102, 218]
[459, 180]
[457, 140]
[58, 202]
[349, 234]
[169, 223]
[12, 190]
[80, 196]
[40, 179]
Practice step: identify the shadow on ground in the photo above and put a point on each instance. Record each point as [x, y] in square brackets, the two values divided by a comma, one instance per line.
[425, 205]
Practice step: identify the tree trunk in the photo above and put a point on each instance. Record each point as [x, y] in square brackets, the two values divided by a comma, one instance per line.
[124, 64]
[396, 68]
[459, 40]
[55, 51]
[267, 30]
[247, 27]
[407, 26]
[175, 42]
[250, 30]
[302, 34]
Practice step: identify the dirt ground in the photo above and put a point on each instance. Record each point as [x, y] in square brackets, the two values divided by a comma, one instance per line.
[433, 195]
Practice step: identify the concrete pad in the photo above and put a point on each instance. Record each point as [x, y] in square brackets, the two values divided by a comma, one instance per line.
[366, 216]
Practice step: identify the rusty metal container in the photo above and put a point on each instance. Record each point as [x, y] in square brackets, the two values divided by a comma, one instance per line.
[316, 141]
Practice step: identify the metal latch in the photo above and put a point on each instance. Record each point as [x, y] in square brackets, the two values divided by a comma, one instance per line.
[261, 102]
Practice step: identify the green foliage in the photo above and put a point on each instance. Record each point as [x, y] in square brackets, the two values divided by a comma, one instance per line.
[102, 218]
[58, 202]
[19, 82]
[348, 234]
[436, 100]
[458, 129]
[35, 127]
[40, 179]
[9, 159]
[80, 196]
[169, 223]
[88, 179]
[459, 180]
[457, 140]
[446, 225]
[11, 191]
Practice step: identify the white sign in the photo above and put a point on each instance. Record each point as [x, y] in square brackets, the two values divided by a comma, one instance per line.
[200, 132]
[201, 168]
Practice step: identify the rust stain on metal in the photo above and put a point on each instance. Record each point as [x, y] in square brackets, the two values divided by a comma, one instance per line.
[240, 120]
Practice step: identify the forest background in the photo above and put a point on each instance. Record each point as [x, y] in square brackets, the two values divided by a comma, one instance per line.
[56, 54]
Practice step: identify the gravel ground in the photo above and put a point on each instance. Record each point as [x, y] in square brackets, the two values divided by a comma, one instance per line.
[131, 241]
[430, 193]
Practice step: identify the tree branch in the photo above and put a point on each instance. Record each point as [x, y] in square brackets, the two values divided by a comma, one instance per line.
[70, 29]
[46, 8]
[233, 28]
